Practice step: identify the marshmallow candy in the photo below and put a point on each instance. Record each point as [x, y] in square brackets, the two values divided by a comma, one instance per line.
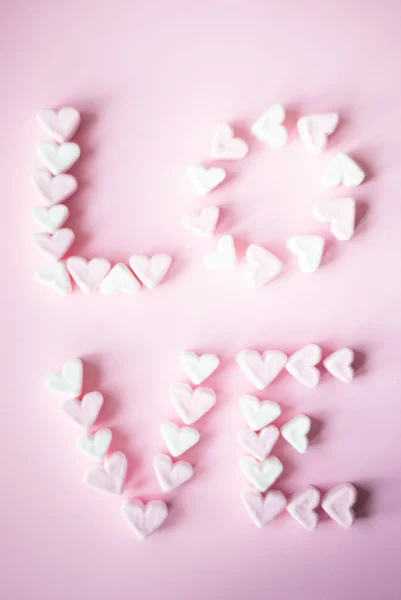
[301, 365]
[56, 276]
[262, 509]
[119, 279]
[338, 503]
[171, 475]
[225, 146]
[263, 265]
[144, 519]
[340, 213]
[205, 180]
[96, 445]
[198, 367]
[178, 439]
[110, 477]
[295, 432]
[302, 505]
[314, 130]
[261, 369]
[54, 247]
[308, 249]
[258, 414]
[61, 125]
[224, 257]
[259, 444]
[50, 219]
[68, 381]
[191, 404]
[88, 275]
[83, 413]
[203, 223]
[269, 129]
[339, 364]
[58, 159]
[53, 190]
[261, 474]
[342, 169]
[150, 271]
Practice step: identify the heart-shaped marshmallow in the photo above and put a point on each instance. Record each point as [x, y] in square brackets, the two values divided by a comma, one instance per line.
[264, 266]
[338, 503]
[68, 381]
[308, 249]
[302, 505]
[224, 257]
[96, 445]
[261, 474]
[269, 129]
[261, 509]
[60, 125]
[198, 367]
[259, 444]
[171, 475]
[301, 365]
[314, 130]
[119, 279]
[54, 246]
[203, 223]
[205, 180]
[342, 169]
[178, 439]
[50, 219]
[225, 146]
[191, 404]
[339, 364]
[258, 414]
[88, 275]
[110, 477]
[150, 271]
[56, 276]
[53, 190]
[83, 413]
[58, 159]
[295, 432]
[261, 369]
[340, 213]
[144, 519]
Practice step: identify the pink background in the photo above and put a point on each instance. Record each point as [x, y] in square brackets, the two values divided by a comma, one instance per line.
[152, 80]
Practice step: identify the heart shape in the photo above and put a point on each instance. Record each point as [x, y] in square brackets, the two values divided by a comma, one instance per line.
[56, 276]
[58, 158]
[203, 223]
[119, 279]
[60, 125]
[178, 439]
[191, 404]
[340, 213]
[205, 180]
[258, 414]
[302, 505]
[309, 250]
[111, 476]
[339, 364]
[261, 369]
[53, 190]
[144, 519]
[269, 129]
[67, 381]
[50, 219]
[314, 130]
[88, 275]
[198, 368]
[96, 445]
[342, 169]
[171, 475]
[261, 509]
[150, 271]
[259, 444]
[261, 474]
[224, 257]
[83, 413]
[295, 432]
[225, 146]
[54, 246]
[264, 266]
[338, 503]
[301, 365]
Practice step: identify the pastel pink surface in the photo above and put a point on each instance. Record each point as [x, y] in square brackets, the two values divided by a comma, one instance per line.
[151, 91]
